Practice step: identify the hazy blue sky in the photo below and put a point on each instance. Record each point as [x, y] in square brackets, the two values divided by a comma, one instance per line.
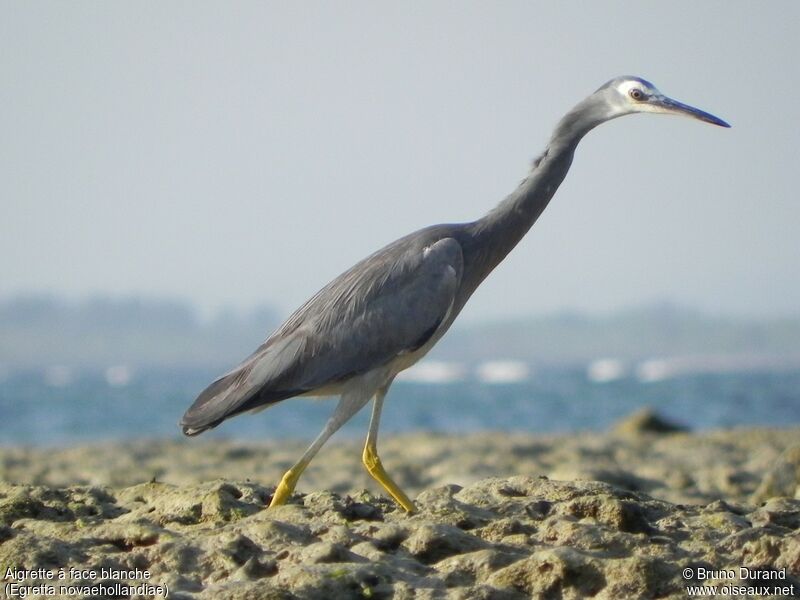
[239, 153]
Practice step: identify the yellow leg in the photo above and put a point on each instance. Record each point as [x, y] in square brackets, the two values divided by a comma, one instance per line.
[372, 461]
[348, 405]
[374, 467]
[285, 488]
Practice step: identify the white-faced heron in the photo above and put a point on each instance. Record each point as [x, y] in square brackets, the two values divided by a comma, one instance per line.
[382, 315]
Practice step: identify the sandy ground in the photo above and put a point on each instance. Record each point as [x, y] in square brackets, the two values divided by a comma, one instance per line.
[638, 512]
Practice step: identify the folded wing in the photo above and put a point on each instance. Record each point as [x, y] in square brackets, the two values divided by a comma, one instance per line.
[389, 304]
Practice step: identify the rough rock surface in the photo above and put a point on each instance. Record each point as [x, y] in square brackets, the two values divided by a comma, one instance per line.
[503, 537]
[499, 538]
[680, 467]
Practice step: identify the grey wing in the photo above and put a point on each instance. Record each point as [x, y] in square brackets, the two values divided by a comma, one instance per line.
[389, 304]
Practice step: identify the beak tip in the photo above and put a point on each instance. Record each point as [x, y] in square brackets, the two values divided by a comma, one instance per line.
[675, 107]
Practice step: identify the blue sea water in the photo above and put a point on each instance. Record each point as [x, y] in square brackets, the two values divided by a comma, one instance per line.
[87, 408]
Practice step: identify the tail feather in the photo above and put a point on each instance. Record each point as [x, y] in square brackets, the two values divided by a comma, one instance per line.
[260, 380]
[210, 407]
[228, 396]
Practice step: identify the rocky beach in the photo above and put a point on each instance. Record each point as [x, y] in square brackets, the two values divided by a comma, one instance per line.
[644, 510]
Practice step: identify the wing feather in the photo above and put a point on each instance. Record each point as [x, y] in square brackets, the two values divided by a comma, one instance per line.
[390, 303]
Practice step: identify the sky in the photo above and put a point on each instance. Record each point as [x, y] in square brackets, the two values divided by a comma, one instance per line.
[242, 153]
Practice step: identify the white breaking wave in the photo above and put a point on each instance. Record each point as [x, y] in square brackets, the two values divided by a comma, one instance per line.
[434, 371]
[118, 375]
[606, 369]
[503, 371]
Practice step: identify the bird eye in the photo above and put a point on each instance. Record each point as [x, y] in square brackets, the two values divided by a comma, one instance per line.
[636, 94]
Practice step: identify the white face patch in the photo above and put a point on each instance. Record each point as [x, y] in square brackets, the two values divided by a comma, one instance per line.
[624, 87]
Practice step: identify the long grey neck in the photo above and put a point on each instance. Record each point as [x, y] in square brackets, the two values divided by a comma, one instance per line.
[492, 237]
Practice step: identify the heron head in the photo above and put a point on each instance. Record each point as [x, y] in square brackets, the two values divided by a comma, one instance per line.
[628, 95]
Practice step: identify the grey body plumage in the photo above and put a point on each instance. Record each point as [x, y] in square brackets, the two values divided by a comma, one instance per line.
[383, 314]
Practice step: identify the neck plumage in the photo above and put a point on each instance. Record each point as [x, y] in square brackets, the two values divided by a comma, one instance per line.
[492, 237]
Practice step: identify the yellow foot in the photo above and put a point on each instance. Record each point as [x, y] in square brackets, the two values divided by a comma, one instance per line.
[285, 488]
[374, 467]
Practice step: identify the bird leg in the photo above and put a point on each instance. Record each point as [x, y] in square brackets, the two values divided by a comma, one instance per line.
[349, 404]
[285, 488]
[372, 461]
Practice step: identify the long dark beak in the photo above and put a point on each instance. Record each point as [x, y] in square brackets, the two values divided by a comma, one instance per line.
[668, 105]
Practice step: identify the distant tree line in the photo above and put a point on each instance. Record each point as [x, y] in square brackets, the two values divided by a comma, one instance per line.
[42, 330]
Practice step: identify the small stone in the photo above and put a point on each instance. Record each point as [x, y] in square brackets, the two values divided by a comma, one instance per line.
[646, 420]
